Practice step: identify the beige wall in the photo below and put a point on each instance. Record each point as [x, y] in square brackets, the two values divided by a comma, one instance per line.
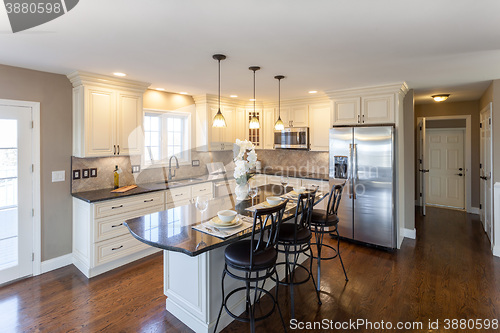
[452, 109]
[162, 100]
[53, 91]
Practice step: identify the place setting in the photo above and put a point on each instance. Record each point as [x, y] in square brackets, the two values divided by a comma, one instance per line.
[225, 224]
[270, 202]
[294, 194]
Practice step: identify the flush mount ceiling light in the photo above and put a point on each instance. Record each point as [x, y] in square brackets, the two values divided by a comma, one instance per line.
[233, 96]
[183, 93]
[254, 121]
[441, 97]
[313, 91]
[119, 74]
[279, 126]
[160, 89]
[219, 120]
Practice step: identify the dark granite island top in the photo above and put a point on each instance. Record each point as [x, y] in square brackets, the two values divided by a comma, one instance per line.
[171, 229]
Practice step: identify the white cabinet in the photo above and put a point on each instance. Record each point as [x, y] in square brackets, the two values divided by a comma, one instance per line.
[295, 116]
[292, 181]
[107, 115]
[319, 116]
[370, 109]
[180, 196]
[100, 240]
[268, 128]
[323, 185]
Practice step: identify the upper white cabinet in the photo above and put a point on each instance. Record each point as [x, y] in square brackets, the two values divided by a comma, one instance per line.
[374, 105]
[294, 115]
[107, 115]
[268, 128]
[319, 120]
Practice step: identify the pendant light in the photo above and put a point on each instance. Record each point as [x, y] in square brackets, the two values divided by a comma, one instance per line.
[254, 121]
[279, 126]
[219, 120]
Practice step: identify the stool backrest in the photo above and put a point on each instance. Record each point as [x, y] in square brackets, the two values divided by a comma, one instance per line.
[303, 212]
[265, 229]
[334, 199]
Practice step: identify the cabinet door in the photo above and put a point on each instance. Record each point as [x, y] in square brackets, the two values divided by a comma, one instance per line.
[228, 132]
[254, 135]
[346, 111]
[268, 128]
[129, 124]
[320, 126]
[299, 116]
[214, 133]
[240, 125]
[100, 122]
[377, 109]
[285, 115]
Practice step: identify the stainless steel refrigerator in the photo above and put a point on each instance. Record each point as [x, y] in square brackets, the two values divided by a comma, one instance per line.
[362, 157]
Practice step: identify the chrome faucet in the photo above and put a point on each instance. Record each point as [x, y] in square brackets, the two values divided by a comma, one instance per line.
[170, 175]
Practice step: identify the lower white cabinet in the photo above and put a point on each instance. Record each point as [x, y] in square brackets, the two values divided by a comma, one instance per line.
[181, 196]
[100, 240]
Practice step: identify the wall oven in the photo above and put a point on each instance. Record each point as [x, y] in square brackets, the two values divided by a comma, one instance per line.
[292, 138]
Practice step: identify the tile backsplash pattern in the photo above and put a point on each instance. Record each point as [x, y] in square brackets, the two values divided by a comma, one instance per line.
[298, 161]
[106, 166]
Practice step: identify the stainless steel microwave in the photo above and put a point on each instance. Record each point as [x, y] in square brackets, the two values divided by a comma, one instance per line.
[292, 138]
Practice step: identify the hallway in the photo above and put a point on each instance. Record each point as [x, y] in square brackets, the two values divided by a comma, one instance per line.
[448, 272]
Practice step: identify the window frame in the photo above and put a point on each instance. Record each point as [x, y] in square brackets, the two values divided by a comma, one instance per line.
[164, 115]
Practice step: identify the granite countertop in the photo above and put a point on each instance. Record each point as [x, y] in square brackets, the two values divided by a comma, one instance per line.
[105, 194]
[294, 173]
[172, 229]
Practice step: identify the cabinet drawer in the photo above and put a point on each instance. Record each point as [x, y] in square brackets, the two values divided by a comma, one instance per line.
[178, 194]
[112, 227]
[126, 205]
[116, 248]
[202, 189]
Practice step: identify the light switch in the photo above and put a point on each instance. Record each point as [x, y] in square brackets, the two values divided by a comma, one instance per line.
[58, 176]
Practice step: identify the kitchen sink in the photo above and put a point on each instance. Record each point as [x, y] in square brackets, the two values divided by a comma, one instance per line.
[183, 181]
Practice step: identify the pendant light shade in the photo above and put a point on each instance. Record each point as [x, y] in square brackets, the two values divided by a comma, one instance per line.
[254, 121]
[279, 126]
[219, 120]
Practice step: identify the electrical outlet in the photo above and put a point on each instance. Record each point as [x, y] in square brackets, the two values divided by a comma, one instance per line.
[136, 168]
[195, 163]
[85, 173]
[58, 176]
[76, 174]
[93, 172]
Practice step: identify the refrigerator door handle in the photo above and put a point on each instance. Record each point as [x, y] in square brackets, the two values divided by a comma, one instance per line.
[354, 170]
[349, 172]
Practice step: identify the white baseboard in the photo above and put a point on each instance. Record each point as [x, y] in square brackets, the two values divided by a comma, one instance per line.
[496, 250]
[55, 263]
[474, 210]
[409, 233]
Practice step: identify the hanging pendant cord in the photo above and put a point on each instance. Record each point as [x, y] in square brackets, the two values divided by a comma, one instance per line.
[279, 99]
[254, 93]
[219, 85]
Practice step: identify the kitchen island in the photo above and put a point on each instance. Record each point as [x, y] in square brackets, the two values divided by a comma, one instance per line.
[194, 260]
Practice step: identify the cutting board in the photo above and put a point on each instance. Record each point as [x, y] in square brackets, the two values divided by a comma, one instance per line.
[124, 189]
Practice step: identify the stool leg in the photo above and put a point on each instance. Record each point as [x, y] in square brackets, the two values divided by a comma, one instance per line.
[291, 276]
[319, 243]
[249, 305]
[276, 299]
[338, 252]
[311, 274]
[222, 305]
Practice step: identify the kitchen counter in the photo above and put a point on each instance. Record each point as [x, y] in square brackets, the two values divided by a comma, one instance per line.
[106, 194]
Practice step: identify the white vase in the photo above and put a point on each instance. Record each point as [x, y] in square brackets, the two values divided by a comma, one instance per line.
[241, 191]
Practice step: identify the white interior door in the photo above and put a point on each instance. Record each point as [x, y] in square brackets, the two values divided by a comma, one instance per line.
[423, 167]
[486, 197]
[16, 193]
[446, 177]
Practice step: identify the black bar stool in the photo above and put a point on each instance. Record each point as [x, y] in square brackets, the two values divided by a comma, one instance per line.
[322, 219]
[250, 257]
[295, 238]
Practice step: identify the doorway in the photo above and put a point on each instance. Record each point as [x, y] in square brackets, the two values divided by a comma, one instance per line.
[462, 122]
[485, 160]
[19, 190]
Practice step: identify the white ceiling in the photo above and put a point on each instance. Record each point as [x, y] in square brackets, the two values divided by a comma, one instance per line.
[436, 46]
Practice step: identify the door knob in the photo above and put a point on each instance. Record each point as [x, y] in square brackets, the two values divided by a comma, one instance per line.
[460, 169]
[459, 174]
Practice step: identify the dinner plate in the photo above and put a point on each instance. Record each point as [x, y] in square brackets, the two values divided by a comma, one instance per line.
[216, 222]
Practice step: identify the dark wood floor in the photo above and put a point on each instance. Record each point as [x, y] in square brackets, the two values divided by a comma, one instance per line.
[448, 272]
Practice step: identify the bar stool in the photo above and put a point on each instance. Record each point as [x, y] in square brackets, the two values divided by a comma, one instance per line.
[245, 259]
[322, 219]
[295, 238]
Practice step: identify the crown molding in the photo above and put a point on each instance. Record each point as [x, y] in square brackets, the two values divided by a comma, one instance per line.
[82, 78]
[395, 88]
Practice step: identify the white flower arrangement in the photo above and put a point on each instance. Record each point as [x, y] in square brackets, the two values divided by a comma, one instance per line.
[242, 166]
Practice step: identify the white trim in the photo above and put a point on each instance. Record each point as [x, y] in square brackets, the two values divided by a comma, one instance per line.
[55, 263]
[35, 159]
[474, 210]
[409, 233]
[495, 232]
[468, 163]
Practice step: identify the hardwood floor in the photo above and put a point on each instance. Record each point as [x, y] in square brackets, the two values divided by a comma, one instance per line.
[448, 272]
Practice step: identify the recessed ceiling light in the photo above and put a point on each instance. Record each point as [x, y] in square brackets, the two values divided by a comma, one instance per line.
[441, 97]
[233, 96]
[160, 89]
[183, 93]
[119, 74]
[313, 91]
[252, 99]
